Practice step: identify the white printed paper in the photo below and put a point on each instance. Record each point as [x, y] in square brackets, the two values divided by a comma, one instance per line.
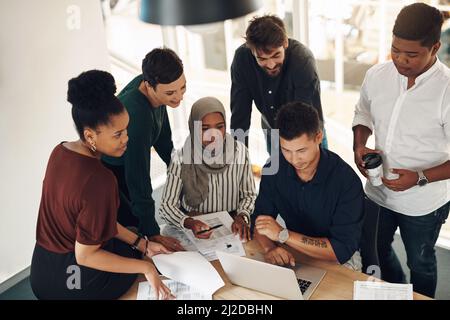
[190, 268]
[178, 289]
[222, 238]
[377, 290]
[172, 231]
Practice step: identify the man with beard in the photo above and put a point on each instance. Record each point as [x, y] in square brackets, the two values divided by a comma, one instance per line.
[271, 70]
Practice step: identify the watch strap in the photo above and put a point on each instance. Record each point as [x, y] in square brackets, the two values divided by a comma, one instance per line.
[423, 180]
[136, 242]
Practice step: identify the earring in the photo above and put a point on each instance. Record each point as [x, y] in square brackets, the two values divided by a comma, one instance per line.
[93, 147]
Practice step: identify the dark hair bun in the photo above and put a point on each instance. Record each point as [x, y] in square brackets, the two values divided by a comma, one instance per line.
[91, 89]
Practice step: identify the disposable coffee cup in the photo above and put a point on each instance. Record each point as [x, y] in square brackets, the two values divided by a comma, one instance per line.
[373, 165]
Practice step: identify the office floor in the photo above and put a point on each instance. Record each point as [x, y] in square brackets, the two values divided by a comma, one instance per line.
[22, 290]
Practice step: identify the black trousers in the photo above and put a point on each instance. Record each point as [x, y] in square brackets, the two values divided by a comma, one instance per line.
[58, 276]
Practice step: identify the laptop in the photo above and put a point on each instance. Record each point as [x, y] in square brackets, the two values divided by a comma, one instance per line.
[297, 283]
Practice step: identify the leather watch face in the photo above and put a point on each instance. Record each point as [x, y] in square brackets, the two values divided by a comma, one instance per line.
[423, 182]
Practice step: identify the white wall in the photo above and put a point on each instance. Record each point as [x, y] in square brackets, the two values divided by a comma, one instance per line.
[42, 45]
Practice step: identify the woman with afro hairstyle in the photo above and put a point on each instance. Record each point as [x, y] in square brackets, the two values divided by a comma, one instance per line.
[81, 251]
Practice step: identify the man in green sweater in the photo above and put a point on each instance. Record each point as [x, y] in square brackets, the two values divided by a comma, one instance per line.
[162, 83]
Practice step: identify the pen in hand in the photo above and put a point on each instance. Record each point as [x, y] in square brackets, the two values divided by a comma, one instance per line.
[212, 228]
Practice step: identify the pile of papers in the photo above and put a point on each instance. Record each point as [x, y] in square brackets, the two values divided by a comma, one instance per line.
[192, 276]
[178, 289]
[377, 290]
[222, 239]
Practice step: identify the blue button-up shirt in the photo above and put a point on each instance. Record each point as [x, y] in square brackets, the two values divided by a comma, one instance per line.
[330, 205]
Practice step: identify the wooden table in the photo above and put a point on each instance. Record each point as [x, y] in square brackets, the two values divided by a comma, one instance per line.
[336, 285]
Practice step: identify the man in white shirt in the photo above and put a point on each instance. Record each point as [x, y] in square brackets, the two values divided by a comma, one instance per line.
[406, 104]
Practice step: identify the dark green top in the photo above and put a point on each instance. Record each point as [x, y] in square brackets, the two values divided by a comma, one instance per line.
[148, 127]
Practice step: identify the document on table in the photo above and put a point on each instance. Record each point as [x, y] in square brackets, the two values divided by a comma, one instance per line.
[375, 290]
[222, 238]
[190, 268]
[174, 232]
[178, 289]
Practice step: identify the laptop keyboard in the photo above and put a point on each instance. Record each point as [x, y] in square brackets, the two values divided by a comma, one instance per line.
[303, 284]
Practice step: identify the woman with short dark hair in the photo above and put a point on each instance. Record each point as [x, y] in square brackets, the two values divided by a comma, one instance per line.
[161, 84]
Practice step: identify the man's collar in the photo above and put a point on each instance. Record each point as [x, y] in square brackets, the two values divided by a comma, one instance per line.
[321, 172]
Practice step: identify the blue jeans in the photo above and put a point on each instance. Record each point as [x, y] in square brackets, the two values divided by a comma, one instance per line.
[419, 235]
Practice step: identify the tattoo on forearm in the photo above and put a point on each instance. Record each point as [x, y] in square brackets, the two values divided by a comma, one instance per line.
[314, 242]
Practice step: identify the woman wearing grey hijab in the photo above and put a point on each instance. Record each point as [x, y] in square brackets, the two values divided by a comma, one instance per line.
[211, 173]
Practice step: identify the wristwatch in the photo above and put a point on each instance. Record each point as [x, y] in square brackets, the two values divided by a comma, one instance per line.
[135, 244]
[422, 179]
[245, 218]
[283, 236]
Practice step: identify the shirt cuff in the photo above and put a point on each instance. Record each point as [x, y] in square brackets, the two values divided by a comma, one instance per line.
[182, 223]
[342, 252]
[149, 229]
[246, 213]
[362, 120]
